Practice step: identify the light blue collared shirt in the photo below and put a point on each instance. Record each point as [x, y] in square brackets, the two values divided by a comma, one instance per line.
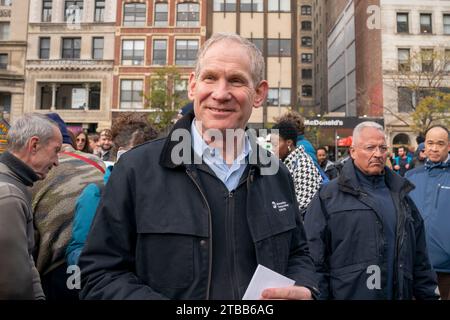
[230, 176]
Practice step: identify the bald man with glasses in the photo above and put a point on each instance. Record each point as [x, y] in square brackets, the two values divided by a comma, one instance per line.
[366, 236]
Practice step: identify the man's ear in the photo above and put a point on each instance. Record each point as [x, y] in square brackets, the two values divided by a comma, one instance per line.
[261, 93]
[352, 151]
[191, 86]
[32, 144]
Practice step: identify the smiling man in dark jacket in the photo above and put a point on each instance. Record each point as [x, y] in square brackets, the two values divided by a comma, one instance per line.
[194, 223]
[366, 235]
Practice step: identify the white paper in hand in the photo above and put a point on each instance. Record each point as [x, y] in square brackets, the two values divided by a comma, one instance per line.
[265, 278]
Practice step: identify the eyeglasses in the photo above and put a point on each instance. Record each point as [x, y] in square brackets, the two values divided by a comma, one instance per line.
[81, 140]
[372, 149]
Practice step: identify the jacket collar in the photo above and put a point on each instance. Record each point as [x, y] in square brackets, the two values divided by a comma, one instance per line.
[348, 181]
[19, 168]
[184, 123]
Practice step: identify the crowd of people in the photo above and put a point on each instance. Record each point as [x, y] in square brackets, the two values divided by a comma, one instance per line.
[192, 215]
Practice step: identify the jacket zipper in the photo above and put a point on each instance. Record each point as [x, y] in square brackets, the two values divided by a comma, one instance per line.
[230, 246]
[210, 232]
[437, 196]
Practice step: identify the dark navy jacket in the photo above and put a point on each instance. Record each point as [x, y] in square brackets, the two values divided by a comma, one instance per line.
[346, 239]
[151, 237]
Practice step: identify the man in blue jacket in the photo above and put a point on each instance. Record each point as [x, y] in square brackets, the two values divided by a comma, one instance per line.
[193, 215]
[366, 235]
[432, 197]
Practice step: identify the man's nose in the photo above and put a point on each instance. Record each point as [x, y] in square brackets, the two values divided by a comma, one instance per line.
[221, 90]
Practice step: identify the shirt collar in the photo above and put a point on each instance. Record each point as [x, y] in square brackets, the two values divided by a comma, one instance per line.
[430, 165]
[200, 146]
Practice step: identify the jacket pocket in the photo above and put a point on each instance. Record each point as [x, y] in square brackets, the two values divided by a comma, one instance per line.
[165, 260]
[357, 281]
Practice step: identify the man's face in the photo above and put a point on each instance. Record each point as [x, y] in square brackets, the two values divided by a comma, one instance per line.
[370, 151]
[321, 155]
[105, 142]
[401, 152]
[46, 155]
[224, 93]
[437, 145]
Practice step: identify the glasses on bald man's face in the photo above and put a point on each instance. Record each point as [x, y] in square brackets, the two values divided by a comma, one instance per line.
[373, 148]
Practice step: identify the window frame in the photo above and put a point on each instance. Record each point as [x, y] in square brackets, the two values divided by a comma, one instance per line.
[134, 22]
[132, 100]
[189, 23]
[46, 13]
[161, 23]
[41, 49]
[73, 49]
[134, 57]
[94, 48]
[227, 5]
[4, 65]
[159, 50]
[423, 27]
[306, 10]
[253, 6]
[404, 66]
[405, 24]
[99, 12]
[189, 52]
[75, 2]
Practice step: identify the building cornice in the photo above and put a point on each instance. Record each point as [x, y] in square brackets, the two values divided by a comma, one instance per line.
[70, 65]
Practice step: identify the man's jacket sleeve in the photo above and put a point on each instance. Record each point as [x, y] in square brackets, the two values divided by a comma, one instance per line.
[17, 276]
[316, 231]
[425, 283]
[301, 266]
[107, 261]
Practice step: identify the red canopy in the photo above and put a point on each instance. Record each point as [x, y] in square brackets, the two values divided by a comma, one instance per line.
[345, 142]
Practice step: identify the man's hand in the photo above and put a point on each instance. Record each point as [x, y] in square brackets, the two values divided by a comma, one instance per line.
[397, 167]
[287, 293]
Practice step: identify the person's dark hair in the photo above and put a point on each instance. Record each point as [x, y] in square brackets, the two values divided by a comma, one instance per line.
[94, 137]
[405, 149]
[131, 129]
[322, 148]
[287, 130]
[72, 139]
[438, 126]
[420, 138]
[294, 117]
[86, 148]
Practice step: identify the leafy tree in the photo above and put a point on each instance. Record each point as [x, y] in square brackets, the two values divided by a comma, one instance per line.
[162, 99]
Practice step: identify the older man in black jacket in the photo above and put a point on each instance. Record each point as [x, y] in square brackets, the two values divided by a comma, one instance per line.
[366, 235]
[175, 226]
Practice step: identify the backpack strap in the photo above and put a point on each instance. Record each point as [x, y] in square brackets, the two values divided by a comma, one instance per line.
[85, 159]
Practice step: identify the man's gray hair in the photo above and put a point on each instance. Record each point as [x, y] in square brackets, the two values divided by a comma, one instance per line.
[27, 126]
[256, 58]
[366, 124]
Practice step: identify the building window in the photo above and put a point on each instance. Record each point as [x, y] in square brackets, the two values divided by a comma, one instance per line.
[425, 23]
[44, 48]
[3, 61]
[402, 23]
[4, 30]
[274, 93]
[446, 23]
[73, 10]
[279, 5]
[405, 99]
[131, 94]
[306, 10]
[161, 14]
[306, 73]
[307, 91]
[181, 90]
[134, 14]
[47, 10]
[306, 42]
[259, 43]
[133, 52]
[99, 10]
[71, 48]
[186, 52]
[159, 52]
[279, 47]
[252, 5]
[404, 61]
[5, 105]
[97, 48]
[306, 25]
[427, 60]
[5, 3]
[224, 5]
[188, 14]
[307, 57]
